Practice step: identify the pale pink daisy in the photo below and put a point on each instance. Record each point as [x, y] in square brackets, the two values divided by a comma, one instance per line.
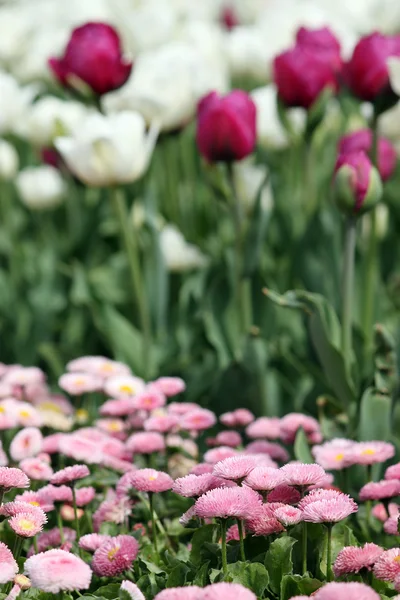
[9, 567]
[117, 464]
[235, 468]
[202, 468]
[118, 408]
[3, 456]
[124, 386]
[8, 414]
[16, 507]
[150, 398]
[334, 455]
[263, 521]
[61, 493]
[228, 438]
[85, 495]
[112, 426]
[321, 494]
[352, 559]
[292, 422]
[215, 455]
[170, 386]
[69, 475]
[150, 480]
[299, 598]
[380, 490]
[51, 443]
[393, 472]
[36, 469]
[22, 376]
[370, 453]
[193, 486]
[198, 420]
[387, 567]
[29, 523]
[326, 483]
[12, 478]
[238, 418]
[288, 515]
[98, 365]
[56, 571]
[227, 591]
[380, 513]
[239, 502]
[26, 443]
[232, 534]
[273, 450]
[181, 408]
[264, 427]
[188, 516]
[161, 423]
[264, 479]
[192, 592]
[77, 384]
[329, 511]
[284, 493]
[91, 541]
[115, 556]
[115, 510]
[132, 589]
[39, 498]
[145, 442]
[346, 591]
[391, 526]
[28, 415]
[81, 448]
[302, 475]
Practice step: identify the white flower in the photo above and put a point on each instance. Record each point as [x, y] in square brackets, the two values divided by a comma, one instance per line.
[178, 254]
[14, 102]
[108, 150]
[40, 187]
[249, 55]
[248, 179]
[51, 117]
[389, 125]
[394, 73]
[45, 41]
[166, 85]
[9, 160]
[270, 131]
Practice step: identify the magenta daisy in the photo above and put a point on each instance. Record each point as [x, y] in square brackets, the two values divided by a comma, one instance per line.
[239, 502]
[352, 559]
[380, 490]
[56, 571]
[387, 567]
[302, 475]
[115, 556]
[9, 567]
[150, 480]
[235, 468]
[346, 591]
[284, 493]
[12, 478]
[198, 420]
[69, 475]
[264, 479]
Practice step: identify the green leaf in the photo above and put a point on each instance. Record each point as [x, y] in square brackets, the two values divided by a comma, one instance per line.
[252, 575]
[202, 575]
[301, 447]
[256, 233]
[278, 561]
[201, 536]
[124, 595]
[109, 591]
[297, 585]
[178, 576]
[375, 416]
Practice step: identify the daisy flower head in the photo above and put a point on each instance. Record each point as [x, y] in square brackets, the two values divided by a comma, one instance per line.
[353, 559]
[36, 469]
[263, 521]
[387, 567]
[202, 468]
[9, 567]
[115, 556]
[52, 539]
[85, 495]
[192, 592]
[226, 502]
[26, 443]
[151, 480]
[215, 455]
[123, 386]
[69, 475]
[227, 591]
[77, 384]
[198, 420]
[169, 386]
[328, 510]
[370, 453]
[91, 541]
[235, 468]
[264, 427]
[264, 479]
[391, 525]
[292, 422]
[193, 486]
[272, 449]
[56, 571]
[118, 408]
[150, 399]
[29, 523]
[145, 442]
[39, 498]
[228, 438]
[288, 515]
[132, 589]
[11, 478]
[380, 490]
[346, 591]
[333, 455]
[393, 472]
[161, 423]
[238, 418]
[302, 475]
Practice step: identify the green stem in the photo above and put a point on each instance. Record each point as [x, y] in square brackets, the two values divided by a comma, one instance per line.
[304, 548]
[2, 492]
[35, 545]
[347, 291]
[153, 521]
[77, 526]
[60, 524]
[329, 573]
[132, 252]
[224, 524]
[241, 539]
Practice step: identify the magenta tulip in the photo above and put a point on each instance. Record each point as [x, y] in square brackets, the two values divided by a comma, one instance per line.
[362, 140]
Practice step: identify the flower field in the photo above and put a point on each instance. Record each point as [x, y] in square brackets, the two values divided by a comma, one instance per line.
[199, 300]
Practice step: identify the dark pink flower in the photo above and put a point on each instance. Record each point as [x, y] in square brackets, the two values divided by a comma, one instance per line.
[115, 556]
[263, 521]
[273, 450]
[323, 43]
[353, 179]
[362, 140]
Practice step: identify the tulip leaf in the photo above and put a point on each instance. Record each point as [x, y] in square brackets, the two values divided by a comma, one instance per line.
[375, 416]
[301, 447]
[256, 233]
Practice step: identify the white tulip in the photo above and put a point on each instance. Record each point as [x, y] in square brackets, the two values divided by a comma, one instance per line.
[248, 179]
[14, 102]
[394, 73]
[389, 125]
[51, 117]
[32, 65]
[108, 150]
[178, 254]
[9, 161]
[166, 85]
[40, 187]
[270, 131]
[249, 55]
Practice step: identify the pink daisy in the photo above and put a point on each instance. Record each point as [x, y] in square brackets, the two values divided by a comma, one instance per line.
[115, 556]
[56, 571]
[352, 559]
[187, 516]
[198, 420]
[329, 510]
[61, 493]
[237, 502]
[145, 442]
[26, 443]
[116, 510]
[98, 365]
[114, 427]
[370, 453]
[391, 526]
[52, 539]
[202, 468]
[228, 438]
[36, 469]
[28, 415]
[51, 443]
[302, 475]
[81, 448]
[273, 450]
[192, 592]
[9, 567]
[380, 490]
[29, 523]
[85, 495]
[264, 427]
[121, 466]
[393, 472]
[10, 509]
[235, 468]
[77, 384]
[123, 386]
[238, 418]
[118, 408]
[217, 454]
[227, 591]
[12, 478]
[132, 589]
[334, 455]
[161, 423]
[22, 376]
[150, 480]
[193, 486]
[91, 541]
[387, 567]
[262, 521]
[346, 591]
[264, 479]
[39, 498]
[292, 422]
[380, 513]
[181, 408]
[288, 515]
[284, 493]
[232, 534]
[170, 386]
[150, 399]
[69, 475]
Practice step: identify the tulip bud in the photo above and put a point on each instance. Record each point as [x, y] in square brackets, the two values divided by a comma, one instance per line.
[226, 126]
[362, 141]
[357, 185]
[8, 161]
[41, 187]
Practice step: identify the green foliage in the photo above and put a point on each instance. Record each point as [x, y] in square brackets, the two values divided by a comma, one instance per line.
[278, 561]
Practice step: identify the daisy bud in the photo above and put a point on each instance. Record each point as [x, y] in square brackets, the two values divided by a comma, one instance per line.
[357, 185]
[23, 582]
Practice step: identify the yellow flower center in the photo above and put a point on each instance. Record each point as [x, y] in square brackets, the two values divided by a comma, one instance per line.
[26, 525]
[34, 503]
[80, 381]
[111, 554]
[50, 406]
[82, 413]
[114, 426]
[24, 414]
[2, 409]
[368, 452]
[339, 456]
[152, 477]
[126, 388]
[397, 559]
[107, 367]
